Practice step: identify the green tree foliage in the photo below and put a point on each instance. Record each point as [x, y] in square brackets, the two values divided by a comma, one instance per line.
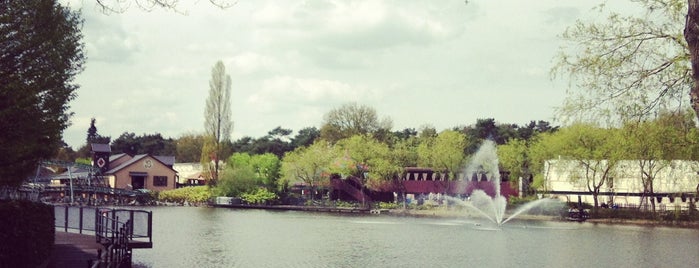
[244, 173]
[305, 137]
[92, 137]
[153, 144]
[353, 119]
[514, 157]
[366, 158]
[276, 141]
[405, 151]
[189, 147]
[542, 148]
[309, 165]
[235, 182]
[591, 155]
[654, 144]
[218, 124]
[489, 129]
[631, 65]
[41, 51]
[444, 153]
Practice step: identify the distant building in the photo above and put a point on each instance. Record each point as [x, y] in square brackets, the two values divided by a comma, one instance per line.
[142, 171]
[675, 183]
[190, 174]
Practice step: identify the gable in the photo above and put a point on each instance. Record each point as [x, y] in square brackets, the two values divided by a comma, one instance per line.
[141, 163]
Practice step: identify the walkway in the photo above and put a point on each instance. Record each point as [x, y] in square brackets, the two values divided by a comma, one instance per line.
[73, 250]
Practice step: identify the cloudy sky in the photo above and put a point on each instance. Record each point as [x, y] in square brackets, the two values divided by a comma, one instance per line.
[441, 63]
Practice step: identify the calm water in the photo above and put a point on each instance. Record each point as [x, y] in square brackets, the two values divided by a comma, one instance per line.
[218, 237]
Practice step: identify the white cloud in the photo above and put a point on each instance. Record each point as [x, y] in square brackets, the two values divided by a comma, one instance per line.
[250, 63]
[444, 63]
[279, 93]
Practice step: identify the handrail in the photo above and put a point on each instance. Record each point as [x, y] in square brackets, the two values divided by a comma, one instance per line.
[87, 220]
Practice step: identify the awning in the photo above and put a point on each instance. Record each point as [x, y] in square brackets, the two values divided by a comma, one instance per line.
[138, 174]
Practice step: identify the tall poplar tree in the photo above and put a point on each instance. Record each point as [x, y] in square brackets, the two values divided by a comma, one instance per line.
[217, 116]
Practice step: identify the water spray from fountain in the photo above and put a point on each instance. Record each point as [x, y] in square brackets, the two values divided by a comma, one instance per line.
[484, 166]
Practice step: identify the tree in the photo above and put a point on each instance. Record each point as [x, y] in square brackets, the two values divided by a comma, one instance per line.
[245, 174]
[41, 52]
[92, 137]
[305, 137]
[352, 119]
[654, 144]
[189, 147]
[366, 158]
[153, 144]
[628, 66]
[591, 154]
[691, 35]
[120, 6]
[444, 153]
[217, 115]
[513, 157]
[310, 165]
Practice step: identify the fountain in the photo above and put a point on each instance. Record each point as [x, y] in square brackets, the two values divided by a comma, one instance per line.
[484, 165]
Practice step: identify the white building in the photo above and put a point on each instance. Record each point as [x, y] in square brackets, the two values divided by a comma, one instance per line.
[676, 183]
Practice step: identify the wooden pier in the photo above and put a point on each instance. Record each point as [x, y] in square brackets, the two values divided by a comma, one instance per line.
[73, 250]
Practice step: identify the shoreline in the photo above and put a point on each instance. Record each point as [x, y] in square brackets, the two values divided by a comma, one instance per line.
[459, 214]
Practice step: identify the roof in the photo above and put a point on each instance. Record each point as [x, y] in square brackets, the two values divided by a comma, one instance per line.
[127, 163]
[167, 160]
[101, 148]
[135, 159]
[116, 156]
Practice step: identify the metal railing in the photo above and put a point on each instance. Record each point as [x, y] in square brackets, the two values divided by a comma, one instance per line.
[116, 237]
[85, 219]
[118, 230]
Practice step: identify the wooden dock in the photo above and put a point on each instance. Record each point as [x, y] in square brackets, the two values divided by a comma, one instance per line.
[73, 250]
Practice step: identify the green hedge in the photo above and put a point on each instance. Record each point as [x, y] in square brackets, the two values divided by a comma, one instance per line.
[27, 233]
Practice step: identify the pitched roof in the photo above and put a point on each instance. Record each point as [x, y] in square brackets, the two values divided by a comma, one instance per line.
[135, 159]
[167, 160]
[116, 156]
[101, 148]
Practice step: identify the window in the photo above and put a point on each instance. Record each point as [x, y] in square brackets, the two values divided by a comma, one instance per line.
[159, 180]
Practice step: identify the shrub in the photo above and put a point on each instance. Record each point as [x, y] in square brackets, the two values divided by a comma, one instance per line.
[27, 235]
[259, 196]
[196, 194]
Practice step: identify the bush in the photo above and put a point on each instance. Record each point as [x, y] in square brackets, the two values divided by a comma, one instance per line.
[27, 235]
[385, 205]
[259, 196]
[196, 194]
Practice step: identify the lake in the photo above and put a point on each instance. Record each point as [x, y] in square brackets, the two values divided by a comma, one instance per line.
[221, 237]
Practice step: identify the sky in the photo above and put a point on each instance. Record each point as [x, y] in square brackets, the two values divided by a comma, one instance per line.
[438, 63]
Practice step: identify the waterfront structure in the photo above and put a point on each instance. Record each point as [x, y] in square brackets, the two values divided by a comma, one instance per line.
[417, 183]
[675, 183]
[142, 171]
